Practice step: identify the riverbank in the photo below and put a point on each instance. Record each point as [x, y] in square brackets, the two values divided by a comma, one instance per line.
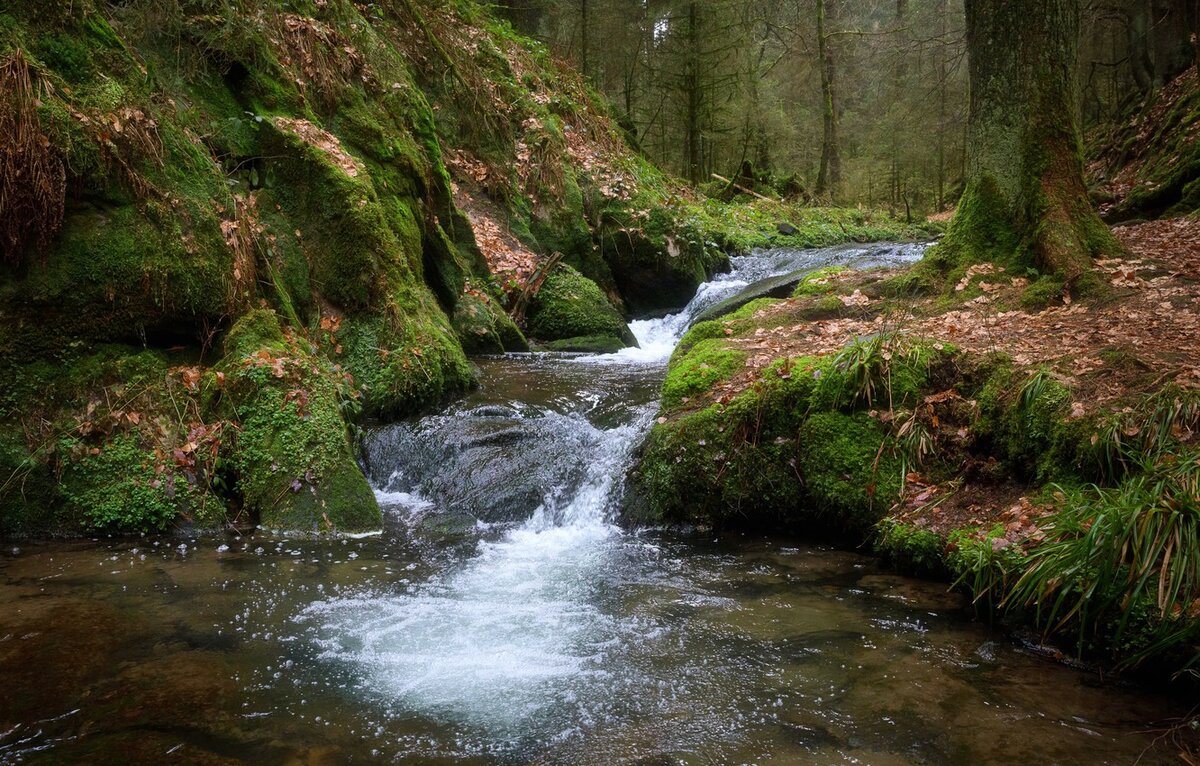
[1034, 446]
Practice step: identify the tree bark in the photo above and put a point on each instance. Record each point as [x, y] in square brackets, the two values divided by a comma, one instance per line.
[1026, 203]
[829, 177]
[692, 88]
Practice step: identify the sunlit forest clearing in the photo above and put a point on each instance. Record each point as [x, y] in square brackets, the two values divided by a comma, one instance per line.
[599, 381]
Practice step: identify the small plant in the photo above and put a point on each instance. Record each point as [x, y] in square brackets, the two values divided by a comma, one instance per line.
[1123, 563]
[1166, 418]
[986, 563]
[867, 367]
[915, 443]
[1035, 389]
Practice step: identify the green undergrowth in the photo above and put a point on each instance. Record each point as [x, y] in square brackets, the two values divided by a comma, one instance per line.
[824, 444]
[1111, 573]
[911, 549]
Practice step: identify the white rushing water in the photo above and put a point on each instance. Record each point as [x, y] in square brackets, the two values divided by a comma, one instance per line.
[515, 641]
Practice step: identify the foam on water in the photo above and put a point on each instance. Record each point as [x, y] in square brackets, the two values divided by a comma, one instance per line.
[511, 636]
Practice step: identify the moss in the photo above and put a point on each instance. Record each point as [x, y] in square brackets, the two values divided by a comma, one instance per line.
[911, 549]
[570, 305]
[981, 232]
[849, 469]
[483, 327]
[122, 273]
[706, 363]
[255, 331]
[1046, 291]
[698, 332]
[66, 55]
[404, 365]
[119, 487]
[358, 251]
[292, 457]
[588, 344]
[820, 282]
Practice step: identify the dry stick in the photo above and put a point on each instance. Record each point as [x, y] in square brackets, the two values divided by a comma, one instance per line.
[741, 188]
[531, 289]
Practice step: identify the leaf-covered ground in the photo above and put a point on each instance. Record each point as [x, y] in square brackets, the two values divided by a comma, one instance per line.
[1140, 335]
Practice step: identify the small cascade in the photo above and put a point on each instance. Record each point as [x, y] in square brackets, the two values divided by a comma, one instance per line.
[522, 636]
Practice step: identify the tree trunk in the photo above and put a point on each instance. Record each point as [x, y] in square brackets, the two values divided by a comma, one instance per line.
[583, 36]
[830, 176]
[692, 86]
[1026, 203]
[942, 74]
[1141, 45]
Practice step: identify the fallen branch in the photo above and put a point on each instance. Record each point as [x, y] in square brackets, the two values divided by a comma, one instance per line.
[532, 287]
[741, 188]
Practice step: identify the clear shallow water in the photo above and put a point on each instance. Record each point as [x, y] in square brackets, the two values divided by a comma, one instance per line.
[501, 618]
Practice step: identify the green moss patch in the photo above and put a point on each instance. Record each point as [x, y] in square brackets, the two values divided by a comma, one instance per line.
[707, 362]
[293, 460]
[570, 305]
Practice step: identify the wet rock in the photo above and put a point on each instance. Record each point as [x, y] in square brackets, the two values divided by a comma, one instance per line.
[772, 287]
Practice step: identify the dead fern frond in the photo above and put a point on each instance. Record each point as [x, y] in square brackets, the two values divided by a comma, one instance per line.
[124, 137]
[33, 179]
[321, 58]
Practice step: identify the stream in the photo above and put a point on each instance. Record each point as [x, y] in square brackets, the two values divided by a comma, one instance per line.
[503, 617]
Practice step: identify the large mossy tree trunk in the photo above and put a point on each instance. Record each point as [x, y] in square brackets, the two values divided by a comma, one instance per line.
[1025, 203]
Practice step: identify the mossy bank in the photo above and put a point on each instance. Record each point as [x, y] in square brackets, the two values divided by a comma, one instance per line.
[1052, 480]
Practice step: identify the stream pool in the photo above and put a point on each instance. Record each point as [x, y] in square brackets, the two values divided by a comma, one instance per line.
[502, 617]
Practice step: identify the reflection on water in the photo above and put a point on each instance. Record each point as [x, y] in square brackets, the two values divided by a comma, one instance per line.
[501, 618]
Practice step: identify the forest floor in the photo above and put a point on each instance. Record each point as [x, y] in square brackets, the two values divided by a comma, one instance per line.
[1138, 337]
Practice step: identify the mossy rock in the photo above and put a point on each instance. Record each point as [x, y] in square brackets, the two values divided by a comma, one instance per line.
[588, 344]
[850, 471]
[569, 305]
[483, 327]
[658, 263]
[403, 365]
[360, 247]
[292, 456]
[706, 363]
[119, 274]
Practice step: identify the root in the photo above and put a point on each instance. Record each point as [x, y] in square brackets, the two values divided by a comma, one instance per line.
[33, 178]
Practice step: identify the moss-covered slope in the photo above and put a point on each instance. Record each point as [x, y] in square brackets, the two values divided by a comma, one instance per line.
[175, 172]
